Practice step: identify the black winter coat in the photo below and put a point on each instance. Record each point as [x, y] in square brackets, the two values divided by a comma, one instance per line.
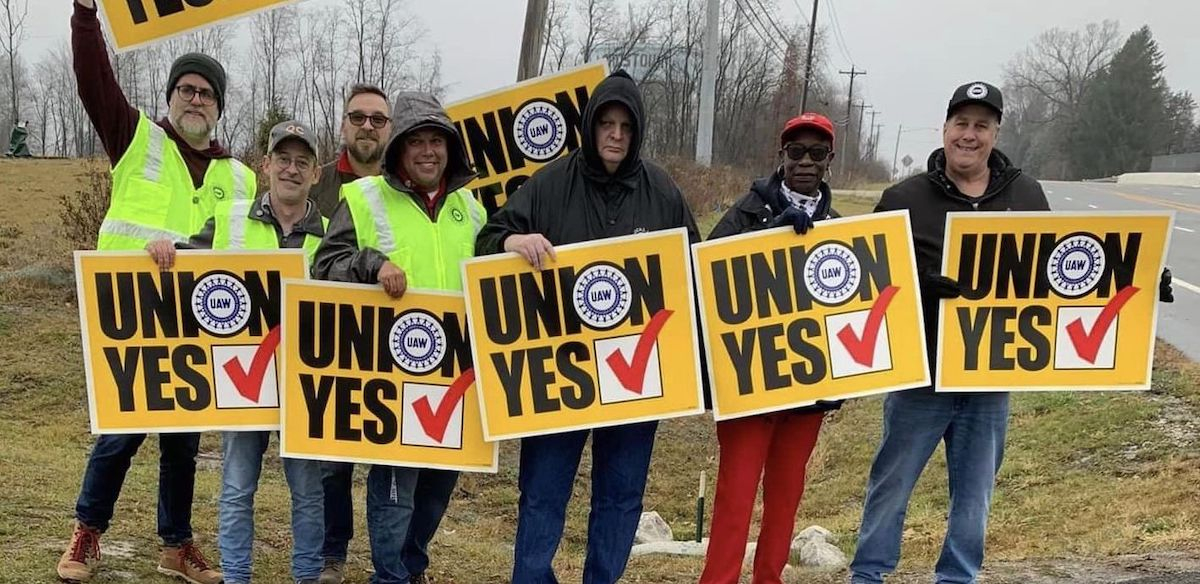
[754, 211]
[929, 197]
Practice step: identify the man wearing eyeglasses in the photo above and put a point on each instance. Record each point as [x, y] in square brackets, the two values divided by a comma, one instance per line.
[411, 226]
[773, 446]
[168, 175]
[366, 126]
[282, 218]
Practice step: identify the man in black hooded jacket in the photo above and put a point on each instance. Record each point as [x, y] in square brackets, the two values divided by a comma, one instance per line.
[603, 189]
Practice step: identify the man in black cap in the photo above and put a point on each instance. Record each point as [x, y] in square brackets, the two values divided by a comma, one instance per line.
[168, 177]
[967, 174]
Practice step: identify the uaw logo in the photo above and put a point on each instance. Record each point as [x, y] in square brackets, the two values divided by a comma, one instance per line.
[1076, 265]
[221, 304]
[540, 130]
[418, 342]
[457, 215]
[832, 274]
[602, 296]
[977, 91]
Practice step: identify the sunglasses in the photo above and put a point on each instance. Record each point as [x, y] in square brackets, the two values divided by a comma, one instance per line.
[377, 120]
[817, 152]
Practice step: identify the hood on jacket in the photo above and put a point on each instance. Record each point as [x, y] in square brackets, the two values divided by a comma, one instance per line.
[413, 110]
[619, 88]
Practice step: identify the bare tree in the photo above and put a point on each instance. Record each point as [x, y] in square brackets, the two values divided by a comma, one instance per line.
[1060, 64]
[12, 29]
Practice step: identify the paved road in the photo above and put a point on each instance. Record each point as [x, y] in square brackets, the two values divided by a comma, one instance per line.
[1178, 323]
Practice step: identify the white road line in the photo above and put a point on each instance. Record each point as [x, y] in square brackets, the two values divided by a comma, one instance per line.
[1188, 285]
[1068, 199]
[1093, 207]
[1185, 229]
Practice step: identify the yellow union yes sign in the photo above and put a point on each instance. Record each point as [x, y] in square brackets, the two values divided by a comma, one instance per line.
[605, 336]
[186, 350]
[381, 381]
[1051, 301]
[511, 132]
[789, 320]
[138, 22]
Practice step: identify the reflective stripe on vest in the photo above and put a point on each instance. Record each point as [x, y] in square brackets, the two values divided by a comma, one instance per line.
[396, 224]
[234, 229]
[154, 197]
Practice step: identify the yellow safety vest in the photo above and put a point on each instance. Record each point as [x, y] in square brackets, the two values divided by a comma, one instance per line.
[153, 196]
[394, 223]
[233, 228]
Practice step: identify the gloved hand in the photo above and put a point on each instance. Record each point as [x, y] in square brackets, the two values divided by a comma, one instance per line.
[935, 285]
[1165, 292]
[797, 219]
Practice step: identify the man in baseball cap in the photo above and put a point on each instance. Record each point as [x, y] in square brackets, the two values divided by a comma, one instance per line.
[775, 446]
[281, 218]
[967, 174]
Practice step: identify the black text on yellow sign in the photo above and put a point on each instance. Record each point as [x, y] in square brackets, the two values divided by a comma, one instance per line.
[1051, 301]
[512, 132]
[603, 337]
[138, 22]
[185, 350]
[379, 381]
[789, 320]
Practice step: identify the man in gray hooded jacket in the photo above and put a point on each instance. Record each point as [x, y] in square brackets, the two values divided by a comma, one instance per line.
[411, 226]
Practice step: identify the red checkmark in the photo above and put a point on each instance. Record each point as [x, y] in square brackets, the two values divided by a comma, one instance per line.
[434, 423]
[862, 349]
[249, 382]
[1087, 343]
[633, 375]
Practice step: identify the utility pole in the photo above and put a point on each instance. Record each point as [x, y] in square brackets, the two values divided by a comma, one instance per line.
[812, 29]
[532, 39]
[896, 152]
[875, 140]
[708, 84]
[871, 131]
[862, 108]
[849, 105]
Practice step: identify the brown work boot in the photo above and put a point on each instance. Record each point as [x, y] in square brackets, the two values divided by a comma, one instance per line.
[334, 572]
[188, 563]
[82, 555]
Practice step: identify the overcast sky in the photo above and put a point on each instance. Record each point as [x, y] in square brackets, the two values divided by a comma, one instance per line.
[915, 52]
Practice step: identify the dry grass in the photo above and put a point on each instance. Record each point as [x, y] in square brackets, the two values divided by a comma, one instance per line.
[1086, 476]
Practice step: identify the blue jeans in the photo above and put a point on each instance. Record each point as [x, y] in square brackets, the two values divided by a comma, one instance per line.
[105, 475]
[620, 461]
[430, 499]
[390, 495]
[914, 422]
[338, 480]
[239, 482]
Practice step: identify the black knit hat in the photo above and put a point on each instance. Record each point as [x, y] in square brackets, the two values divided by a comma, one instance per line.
[204, 66]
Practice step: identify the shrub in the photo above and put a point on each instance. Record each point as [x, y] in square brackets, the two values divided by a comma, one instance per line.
[82, 212]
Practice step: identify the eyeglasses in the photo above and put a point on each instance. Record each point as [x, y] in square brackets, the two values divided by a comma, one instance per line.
[377, 120]
[282, 163]
[817, 152]
[189, 92]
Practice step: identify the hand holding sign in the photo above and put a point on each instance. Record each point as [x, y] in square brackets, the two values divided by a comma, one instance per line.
[532, 246]
[393, 279]
[162, 251]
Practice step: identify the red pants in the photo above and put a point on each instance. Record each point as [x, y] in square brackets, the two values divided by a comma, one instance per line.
[776, 447]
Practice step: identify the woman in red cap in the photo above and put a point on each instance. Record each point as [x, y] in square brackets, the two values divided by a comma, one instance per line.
[775, 446]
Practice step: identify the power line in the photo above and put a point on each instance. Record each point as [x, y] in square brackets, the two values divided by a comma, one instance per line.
[762, 34]
[782, 35]
[837, 33]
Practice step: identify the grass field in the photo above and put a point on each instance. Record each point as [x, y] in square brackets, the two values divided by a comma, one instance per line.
[1087, 476]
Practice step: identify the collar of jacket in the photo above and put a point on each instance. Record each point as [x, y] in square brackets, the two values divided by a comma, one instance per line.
[311, 223]
[770, 194]
[1002, 174]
